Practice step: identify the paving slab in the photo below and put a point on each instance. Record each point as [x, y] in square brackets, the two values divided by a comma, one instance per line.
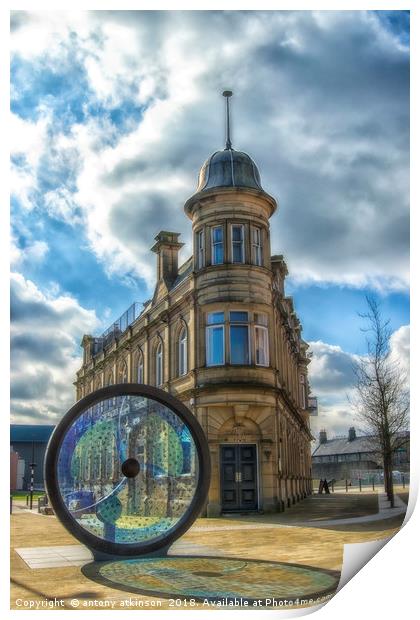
[54, 557]
[78, 555]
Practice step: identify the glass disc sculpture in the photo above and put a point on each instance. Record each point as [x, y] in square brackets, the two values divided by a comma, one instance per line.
[127, 470]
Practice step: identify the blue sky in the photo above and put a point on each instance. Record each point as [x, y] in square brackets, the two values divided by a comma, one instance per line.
[113, 117]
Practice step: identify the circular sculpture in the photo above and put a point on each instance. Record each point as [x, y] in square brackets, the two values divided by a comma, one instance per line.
[127, 470]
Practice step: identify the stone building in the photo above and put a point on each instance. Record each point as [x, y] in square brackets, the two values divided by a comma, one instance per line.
[221, 335]
[355, 456]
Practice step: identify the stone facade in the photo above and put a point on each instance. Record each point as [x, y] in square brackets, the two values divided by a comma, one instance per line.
[221, 335]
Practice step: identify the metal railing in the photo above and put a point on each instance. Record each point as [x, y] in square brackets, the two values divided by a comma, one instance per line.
[125, 320]
[360, 481]
[118, 327]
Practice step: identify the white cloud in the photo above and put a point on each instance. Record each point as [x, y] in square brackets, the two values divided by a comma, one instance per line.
[400, 347]
[43, 33]
[60, 204]
[321, 103]
[45, 336]
[34, 252]
[332, 379]
[28, 137]
[27, 144]
[108, 62]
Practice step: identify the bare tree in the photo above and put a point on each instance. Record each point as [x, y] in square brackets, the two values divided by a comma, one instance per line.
[382, 397]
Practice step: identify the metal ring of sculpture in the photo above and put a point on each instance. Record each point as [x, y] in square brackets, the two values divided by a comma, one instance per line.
[127, 470]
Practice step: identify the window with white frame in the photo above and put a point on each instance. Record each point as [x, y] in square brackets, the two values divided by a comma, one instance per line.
[239, 337]
[261, 339]
[182, 352]
[200, 248]
[256, 246]
[159, 364]
[261, 346]
[237, 232]
[215, 339]
[217, 246]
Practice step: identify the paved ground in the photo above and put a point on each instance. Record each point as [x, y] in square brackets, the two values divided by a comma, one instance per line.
[319, 508]
[404, 496]
[273, 538]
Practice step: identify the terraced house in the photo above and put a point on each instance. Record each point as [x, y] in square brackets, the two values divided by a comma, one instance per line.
[221, 335]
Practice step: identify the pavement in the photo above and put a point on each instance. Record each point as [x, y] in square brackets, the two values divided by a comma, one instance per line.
[53, 570]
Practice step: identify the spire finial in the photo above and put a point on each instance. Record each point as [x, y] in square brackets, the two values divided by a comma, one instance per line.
[227, 94]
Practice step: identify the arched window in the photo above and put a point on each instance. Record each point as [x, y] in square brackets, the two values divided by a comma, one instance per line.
[109, 378]
[140, 367]
[159, 364]
[183, 352]
[122, 372]
[97, 384]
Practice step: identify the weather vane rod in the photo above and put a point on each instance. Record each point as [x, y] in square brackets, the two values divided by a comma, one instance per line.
[227, 94]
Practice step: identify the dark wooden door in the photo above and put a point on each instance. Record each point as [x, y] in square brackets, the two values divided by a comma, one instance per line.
[238, 479]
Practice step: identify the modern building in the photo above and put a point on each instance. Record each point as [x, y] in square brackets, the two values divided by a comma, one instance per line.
[221, 335]
[29, 441]
[353, 456]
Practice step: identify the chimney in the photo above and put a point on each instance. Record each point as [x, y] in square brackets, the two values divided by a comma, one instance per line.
[279, 268]
[167, 247]
[352, 433]
[323, 436]
[86, 344]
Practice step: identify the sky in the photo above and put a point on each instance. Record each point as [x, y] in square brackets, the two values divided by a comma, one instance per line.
[113, 114]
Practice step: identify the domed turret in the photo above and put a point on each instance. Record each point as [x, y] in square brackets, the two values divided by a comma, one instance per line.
[228, 172]
[228, 168]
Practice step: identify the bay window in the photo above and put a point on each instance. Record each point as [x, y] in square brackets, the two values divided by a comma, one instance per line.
[237, 337]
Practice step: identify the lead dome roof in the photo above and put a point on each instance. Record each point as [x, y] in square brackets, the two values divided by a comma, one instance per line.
[229, 168]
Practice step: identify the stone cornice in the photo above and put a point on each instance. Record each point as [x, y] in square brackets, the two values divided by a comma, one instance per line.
[202, 199]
